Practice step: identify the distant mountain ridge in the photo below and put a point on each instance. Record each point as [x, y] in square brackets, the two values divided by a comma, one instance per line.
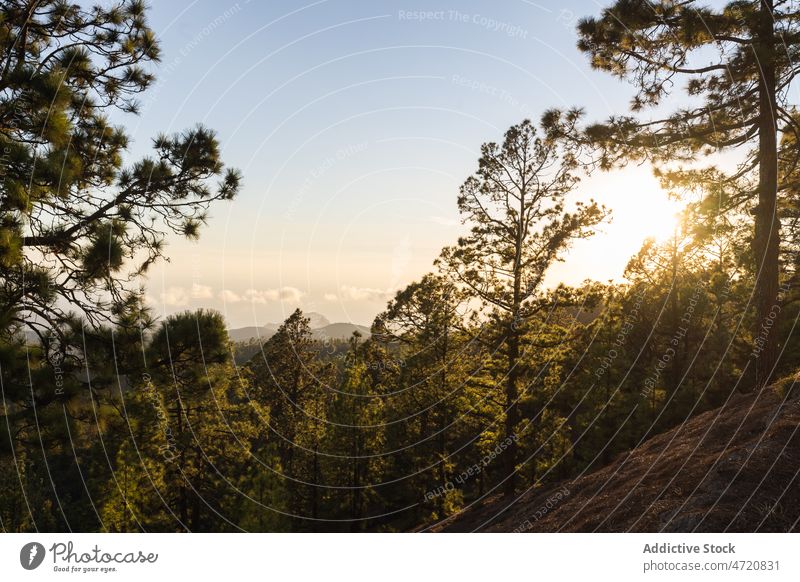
[321, 328]
[340, 331]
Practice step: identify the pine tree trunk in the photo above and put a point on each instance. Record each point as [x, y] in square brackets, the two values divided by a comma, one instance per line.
[512, 389]
[355, 503]
[674, 373]
[315, 485]
[766, 242]
[512, 412]
[183, 498]
[443, 421]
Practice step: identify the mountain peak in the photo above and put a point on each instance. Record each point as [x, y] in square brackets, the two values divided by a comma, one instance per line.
[316, 320]
[321, 327]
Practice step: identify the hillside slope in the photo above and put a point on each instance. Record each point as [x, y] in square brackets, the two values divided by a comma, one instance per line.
[736, 468]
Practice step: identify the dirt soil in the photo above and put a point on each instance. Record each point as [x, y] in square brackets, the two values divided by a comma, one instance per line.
[731, 469]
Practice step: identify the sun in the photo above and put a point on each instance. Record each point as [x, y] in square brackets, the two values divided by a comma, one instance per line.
[643, 213]
[640, 209]
[666, 219]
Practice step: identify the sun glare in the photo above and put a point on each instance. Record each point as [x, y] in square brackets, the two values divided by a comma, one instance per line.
[660, 219]
[640, 209]
[639, 212]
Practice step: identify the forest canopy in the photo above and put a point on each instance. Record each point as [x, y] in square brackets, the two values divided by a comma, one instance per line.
[476, 380]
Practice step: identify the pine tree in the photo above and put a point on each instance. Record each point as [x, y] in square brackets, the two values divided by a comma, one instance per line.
[210, 425]
[424, 326]
[291, 380]
[79, 225]
[514, 205]
[742, 104]
[355, 439]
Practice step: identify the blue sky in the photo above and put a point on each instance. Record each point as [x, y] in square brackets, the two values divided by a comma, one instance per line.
[354, 123]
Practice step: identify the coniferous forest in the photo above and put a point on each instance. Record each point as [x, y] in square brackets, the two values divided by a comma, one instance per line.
[479, 382]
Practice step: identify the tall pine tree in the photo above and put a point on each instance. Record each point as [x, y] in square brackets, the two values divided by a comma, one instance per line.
[738, 61]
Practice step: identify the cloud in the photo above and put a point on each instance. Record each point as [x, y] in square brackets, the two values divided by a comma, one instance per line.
[175, 297]
[287, 294]
[228, 296]
[254, 296]
[330, 297]
[365, 293]
[444, 221]
[291, 294]
[201, 291]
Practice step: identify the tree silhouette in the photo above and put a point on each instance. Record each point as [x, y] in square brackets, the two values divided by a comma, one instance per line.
[514, 205]
[740, 102]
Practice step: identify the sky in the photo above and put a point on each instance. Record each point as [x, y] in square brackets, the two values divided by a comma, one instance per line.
[354, 123]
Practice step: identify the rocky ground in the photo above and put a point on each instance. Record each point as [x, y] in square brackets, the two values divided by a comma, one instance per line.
[730, 469]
